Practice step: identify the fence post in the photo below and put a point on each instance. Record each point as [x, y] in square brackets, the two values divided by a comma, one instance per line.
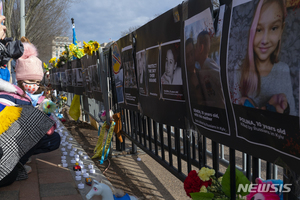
[232, 173]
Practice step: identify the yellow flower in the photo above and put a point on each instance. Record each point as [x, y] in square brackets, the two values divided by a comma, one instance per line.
[55, 65]
[203, 189]
[96, 45]
[85, 44]
[52, 60]
[205, 173]
[63, 53]
[58, 60]
[45, 66]
[72, 47]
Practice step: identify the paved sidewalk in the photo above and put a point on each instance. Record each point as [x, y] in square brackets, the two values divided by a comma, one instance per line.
[46, 181]
[49, 180]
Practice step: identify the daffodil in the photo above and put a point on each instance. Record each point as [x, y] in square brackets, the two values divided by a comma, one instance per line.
[45, 65]
[52, 60]
[63, 53]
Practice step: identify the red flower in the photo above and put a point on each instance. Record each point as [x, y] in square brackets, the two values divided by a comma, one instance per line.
[192, 183]
[206, 183]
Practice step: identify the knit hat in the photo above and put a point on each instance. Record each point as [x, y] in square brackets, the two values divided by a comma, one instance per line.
[29, 67]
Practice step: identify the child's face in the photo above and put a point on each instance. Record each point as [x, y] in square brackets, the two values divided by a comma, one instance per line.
[31, 86]
[268, 31]
[170, 63]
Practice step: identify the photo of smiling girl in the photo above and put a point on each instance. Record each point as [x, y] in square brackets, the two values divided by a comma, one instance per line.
[263, 81]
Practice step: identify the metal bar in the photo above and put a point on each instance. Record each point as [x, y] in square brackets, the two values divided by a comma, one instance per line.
[140, 127]
[275, 171]
[259, 168]
[200, 150]
[155, 137]
[133, 145]
[173, 170]
[123, 120]
[126, 121]
[161, 133]
[269, 170]
[232, 173]
[188, 152]
[145, 132]
[255, 167]
[222, 152]
[215, 152]
[248, 167]
[184, 142]
[244, 163]
[170, 146]
[193, 147]
[178, 150]
[150, 133]
[204, 151]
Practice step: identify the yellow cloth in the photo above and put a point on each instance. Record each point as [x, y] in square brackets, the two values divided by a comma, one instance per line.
[8, 116]
[99, 147]
[74, 111]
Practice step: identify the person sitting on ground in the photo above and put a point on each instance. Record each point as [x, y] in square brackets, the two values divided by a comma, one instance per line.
[29, 73]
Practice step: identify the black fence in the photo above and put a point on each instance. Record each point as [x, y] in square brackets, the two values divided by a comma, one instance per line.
[186, 139]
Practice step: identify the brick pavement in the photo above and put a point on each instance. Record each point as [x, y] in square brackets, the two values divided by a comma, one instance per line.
[49, 180]
[46, 181]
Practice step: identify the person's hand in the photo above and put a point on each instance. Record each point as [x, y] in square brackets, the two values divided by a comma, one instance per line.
[279, 101]
[165, 79]
[246, 101]
[2, 28]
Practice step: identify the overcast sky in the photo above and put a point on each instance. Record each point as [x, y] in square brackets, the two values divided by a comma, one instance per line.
[104, 20]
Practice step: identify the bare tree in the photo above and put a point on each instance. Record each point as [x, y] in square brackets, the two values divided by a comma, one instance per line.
[44, 20]
[130, 30]
[133, 28]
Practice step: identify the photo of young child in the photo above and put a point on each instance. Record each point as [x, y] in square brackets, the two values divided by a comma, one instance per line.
[262, 75]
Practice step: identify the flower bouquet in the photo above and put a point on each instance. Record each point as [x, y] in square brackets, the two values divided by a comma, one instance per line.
[61, 101]
[204, 185]
[90, 47]
[52, 62]
[76, 51]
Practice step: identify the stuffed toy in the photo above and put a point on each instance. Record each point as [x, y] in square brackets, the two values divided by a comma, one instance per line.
[267, 194]
[103, 115]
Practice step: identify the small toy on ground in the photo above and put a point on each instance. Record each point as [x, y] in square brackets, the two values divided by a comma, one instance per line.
[106, 192]
[88, 181]
[76, 167]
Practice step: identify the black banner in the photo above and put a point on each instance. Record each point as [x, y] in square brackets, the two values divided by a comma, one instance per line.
[206, 102]
[160, 85]
[233, 74]
[130, 83]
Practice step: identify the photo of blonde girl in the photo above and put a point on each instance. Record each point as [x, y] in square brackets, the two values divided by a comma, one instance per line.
[261, 79]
